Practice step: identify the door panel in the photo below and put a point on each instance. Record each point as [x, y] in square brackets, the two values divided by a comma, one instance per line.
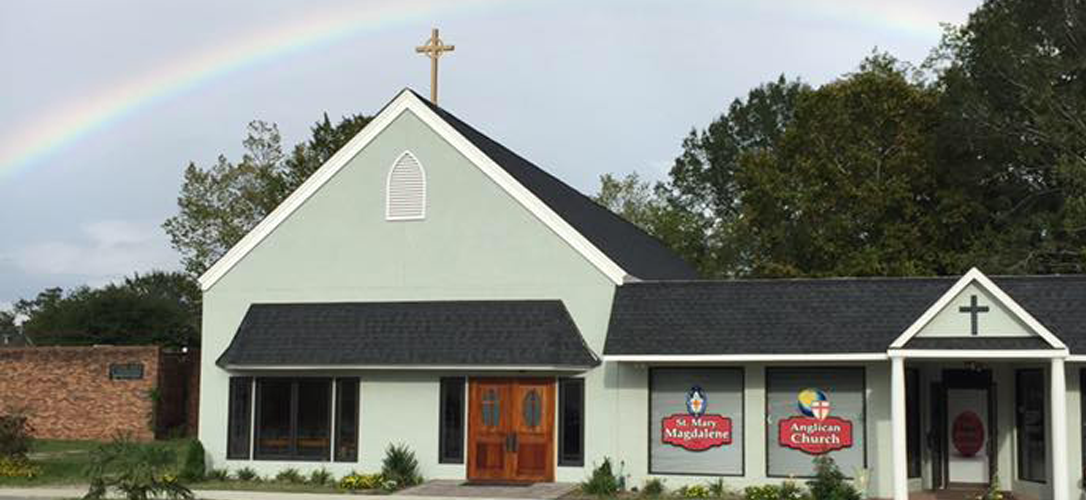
[488, 430]
[967, 427]
[533, 427]
[511, 430]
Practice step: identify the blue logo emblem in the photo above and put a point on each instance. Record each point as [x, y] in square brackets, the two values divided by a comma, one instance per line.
[696, 402]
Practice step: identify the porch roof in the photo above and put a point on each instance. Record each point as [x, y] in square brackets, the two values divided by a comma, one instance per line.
[523, 334]
[820, 316]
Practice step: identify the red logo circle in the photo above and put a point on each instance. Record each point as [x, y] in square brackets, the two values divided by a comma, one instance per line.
[967, 434]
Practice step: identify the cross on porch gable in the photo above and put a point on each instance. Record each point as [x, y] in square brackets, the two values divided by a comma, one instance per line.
[973, 309]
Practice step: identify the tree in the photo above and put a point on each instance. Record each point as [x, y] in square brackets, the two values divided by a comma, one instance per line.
[158, 308]
[703, 185]
[219, 205]
[1014, 90]
[850, 186]
[9, 327]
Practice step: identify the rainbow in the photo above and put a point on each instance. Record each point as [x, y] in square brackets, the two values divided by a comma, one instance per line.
[67, 122]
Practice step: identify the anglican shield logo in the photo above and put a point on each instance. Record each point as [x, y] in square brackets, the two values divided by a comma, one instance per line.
[696, 430]
[695, 401]
[816, 432]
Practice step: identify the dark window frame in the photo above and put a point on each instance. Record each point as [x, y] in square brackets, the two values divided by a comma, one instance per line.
[245, 420]
[293, 454]
[1019, 430]
[338, 408]
[445, 455]
[566, 459]
[913, 442]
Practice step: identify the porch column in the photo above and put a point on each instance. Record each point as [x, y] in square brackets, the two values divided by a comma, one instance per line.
[898, 431]
[1060, 480]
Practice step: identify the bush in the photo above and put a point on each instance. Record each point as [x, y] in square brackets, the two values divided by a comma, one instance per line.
[246, 474]
[137, 471]
[602, 482]
[830, 483]
[785, 491]
[694, 491]
[320, 477]
[400, 469]
[18, 467]
[355, 481]
[218, 475]
[653, 488]
[15, 436]
[193, 468]
[290, 475]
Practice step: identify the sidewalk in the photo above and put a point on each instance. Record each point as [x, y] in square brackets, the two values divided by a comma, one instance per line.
[72, 492]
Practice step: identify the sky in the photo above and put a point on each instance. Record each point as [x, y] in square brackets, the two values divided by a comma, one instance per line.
[103, 104]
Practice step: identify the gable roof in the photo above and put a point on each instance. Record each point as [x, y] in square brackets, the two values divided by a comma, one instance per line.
[816, 316]
[516, 334]
[617, 248]
[640, 254]
[978, 279]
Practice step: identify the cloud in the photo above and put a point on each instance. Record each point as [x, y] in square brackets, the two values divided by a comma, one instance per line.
[105, 250]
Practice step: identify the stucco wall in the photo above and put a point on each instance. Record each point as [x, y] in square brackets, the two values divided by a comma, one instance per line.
[475, 243]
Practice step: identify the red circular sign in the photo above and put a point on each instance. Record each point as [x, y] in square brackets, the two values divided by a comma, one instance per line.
[967, 433]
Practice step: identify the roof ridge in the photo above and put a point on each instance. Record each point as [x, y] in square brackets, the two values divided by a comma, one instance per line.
[842, 279]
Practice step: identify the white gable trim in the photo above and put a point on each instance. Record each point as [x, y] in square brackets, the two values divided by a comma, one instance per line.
[743, 358]
[407, 101]
[975, 276]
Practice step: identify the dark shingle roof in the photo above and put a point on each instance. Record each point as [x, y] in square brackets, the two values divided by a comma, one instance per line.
[638, 253]
[861, 315]
[447, 333]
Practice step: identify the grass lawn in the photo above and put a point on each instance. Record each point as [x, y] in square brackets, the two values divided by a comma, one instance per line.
[62, 462]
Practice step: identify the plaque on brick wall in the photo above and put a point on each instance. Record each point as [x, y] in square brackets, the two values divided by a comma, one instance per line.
[126, 371]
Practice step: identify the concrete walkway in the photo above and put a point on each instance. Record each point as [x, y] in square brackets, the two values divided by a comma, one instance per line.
[432, 490]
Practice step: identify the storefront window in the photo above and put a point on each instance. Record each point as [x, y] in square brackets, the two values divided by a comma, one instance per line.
[239, 418]
[813, 412]
[1031, 425]
[696, 421]
[346, 420]
[912, 417]
[293, 418]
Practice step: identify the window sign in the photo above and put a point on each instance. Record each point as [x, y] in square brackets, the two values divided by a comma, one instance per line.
[696, 421]
[813, 412]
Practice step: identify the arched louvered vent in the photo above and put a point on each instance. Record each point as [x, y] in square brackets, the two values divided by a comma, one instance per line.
[406, 195]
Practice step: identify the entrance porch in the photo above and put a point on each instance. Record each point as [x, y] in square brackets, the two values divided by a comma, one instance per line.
[961, 420]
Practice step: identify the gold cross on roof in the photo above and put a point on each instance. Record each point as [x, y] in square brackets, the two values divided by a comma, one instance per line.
[433, 49]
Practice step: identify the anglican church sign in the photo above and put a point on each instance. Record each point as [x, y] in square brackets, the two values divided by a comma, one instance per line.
[816, 432]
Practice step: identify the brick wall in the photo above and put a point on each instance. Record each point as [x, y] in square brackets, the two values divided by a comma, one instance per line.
[68, 394]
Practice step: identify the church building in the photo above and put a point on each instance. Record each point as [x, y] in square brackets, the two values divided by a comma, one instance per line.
[429, 287]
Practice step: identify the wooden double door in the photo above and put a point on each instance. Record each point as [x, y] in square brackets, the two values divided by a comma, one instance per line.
[511, 430]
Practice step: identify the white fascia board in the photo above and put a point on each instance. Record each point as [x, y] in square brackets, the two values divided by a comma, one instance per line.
[972, 354]
[1076, 358]
[488, 368]
[407, 101]
[974, 275]
[742, 358]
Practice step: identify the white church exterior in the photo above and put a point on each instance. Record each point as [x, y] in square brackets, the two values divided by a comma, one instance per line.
[427, 286]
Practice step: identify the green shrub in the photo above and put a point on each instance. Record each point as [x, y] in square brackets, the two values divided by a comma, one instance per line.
[218, 475]
[193, 467]
[355, 481]
[320, 477]
[290, 475]
[694, 491]
[603, 482]
[246, 474]
[830, 483]
[18, 467]
[15, 436]
[136, 471]
[653, 488]
[399, 468]
[787, 490]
